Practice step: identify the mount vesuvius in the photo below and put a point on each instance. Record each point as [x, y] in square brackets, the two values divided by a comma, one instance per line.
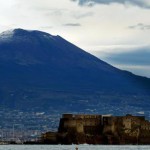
[41, 71]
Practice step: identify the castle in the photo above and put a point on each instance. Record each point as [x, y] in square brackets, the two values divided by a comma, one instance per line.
[100, 129]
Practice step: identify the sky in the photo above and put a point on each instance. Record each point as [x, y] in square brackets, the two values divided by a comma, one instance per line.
[116, 31]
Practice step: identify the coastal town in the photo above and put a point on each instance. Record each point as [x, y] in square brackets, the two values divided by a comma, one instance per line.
[94, 129]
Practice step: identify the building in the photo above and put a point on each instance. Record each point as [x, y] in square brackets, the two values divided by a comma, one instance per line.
[88, 124]
[100, 129]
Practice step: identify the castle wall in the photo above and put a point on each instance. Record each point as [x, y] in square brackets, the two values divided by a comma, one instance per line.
[81, 123]
[102, 129]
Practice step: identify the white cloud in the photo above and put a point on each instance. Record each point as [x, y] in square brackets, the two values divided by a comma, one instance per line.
[140, 26]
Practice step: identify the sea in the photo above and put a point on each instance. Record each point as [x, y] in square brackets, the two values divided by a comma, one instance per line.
[73, 147]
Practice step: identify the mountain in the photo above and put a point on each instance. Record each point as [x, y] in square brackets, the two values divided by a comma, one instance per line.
[39, 71]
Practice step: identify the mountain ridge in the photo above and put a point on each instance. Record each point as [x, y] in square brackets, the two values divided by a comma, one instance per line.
[16, 33]
[34, 62]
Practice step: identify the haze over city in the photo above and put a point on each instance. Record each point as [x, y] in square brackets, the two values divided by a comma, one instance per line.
[113, 30]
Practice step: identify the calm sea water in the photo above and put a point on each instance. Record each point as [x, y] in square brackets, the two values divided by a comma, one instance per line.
[71, 147]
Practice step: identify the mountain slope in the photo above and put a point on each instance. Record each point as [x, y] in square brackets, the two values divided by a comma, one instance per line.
[42, 70]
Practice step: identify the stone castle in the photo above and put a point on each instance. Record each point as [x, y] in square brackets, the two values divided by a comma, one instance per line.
[100, 129]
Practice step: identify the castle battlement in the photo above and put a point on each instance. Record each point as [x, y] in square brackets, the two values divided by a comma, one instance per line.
[102, 129]
[80, 116]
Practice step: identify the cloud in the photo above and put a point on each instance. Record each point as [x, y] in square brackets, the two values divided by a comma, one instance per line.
[46, 27]
[140, 26]
[135, 60]
[136, 57]
[82, 15]
[72, 24]
[140, 3]
[54, 12]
